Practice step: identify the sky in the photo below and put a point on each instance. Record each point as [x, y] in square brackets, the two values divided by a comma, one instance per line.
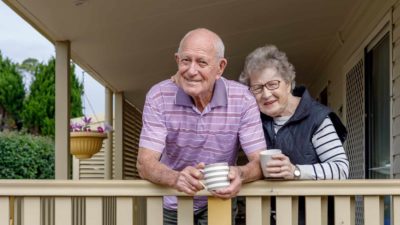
[19, 41]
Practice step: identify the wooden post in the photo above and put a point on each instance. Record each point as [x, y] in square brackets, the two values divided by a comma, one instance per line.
[62, 116]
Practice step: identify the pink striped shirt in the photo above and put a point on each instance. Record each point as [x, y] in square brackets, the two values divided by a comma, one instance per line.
[173, 126]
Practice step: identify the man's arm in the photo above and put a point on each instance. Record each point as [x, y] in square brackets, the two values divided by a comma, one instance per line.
[150, 168]
[252, 170]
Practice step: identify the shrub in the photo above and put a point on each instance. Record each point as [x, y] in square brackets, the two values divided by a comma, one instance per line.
[24, 156]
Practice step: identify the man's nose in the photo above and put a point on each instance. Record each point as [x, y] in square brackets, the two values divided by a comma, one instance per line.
[193, 69]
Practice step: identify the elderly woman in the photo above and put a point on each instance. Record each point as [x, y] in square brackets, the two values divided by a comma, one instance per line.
[309, 134]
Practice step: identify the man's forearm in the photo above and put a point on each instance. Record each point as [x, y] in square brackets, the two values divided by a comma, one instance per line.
[250, 172]
[160, 174]
[156, 172]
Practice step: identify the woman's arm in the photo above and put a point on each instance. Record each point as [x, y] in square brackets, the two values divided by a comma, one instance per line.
[334, 163]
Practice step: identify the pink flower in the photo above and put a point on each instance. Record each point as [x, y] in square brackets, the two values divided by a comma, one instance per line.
[85, 126]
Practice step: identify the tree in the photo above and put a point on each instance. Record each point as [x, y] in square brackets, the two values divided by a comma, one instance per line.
[29, 65]
[12, 94]
[39, 108]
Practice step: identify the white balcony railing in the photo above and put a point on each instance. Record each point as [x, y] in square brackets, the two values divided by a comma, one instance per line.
[257, 201]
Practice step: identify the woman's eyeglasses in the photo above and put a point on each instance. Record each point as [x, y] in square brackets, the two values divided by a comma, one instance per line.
[270, 85]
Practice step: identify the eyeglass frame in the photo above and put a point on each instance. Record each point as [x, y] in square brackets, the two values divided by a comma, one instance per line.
[260, 87]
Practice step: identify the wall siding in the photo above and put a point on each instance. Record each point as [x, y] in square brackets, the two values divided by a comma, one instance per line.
[396, 91]
[132, 128]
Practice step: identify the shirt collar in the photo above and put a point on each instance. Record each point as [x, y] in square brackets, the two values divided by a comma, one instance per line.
[219, 98]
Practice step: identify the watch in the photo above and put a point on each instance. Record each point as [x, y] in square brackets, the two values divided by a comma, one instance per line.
[296, 173]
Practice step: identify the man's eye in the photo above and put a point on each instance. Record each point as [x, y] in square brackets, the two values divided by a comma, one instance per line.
[203, 63]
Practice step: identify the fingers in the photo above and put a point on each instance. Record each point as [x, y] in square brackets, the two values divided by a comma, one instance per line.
[200, 166]
[229, 192]
[280, 167]
[284, 171]
[188, 181]
[183, 185]
[233, 189]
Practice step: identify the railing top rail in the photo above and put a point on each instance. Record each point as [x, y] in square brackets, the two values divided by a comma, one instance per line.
[145, 188]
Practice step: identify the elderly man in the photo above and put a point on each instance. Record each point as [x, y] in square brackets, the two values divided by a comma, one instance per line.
[202, 121]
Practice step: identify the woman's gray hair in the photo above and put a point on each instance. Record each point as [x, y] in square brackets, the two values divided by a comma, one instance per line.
[268, 56]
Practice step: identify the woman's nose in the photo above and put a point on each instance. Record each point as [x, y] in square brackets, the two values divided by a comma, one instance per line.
[266, 93]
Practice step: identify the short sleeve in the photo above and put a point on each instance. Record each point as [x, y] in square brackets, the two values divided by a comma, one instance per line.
[251, 134]
[154, 132]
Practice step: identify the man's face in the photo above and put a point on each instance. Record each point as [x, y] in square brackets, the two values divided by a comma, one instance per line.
[198, 66]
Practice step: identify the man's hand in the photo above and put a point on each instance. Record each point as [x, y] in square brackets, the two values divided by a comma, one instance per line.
[233, 189]
[188, 179]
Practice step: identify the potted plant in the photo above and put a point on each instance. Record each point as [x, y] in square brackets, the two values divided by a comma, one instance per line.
[85, 142]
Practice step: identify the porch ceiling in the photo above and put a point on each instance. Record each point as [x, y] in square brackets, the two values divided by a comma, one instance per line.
[128, 45]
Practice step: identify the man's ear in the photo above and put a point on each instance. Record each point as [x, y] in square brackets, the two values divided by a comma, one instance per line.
[221, 67]
[177, 58]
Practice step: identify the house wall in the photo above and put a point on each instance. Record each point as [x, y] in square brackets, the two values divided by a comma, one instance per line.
[364, 23]
[353, 34]
[396, 90]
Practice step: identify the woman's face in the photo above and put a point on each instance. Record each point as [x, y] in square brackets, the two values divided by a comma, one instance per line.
[273, 103]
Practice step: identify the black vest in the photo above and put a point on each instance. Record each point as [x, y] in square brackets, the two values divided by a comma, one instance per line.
[294, 137]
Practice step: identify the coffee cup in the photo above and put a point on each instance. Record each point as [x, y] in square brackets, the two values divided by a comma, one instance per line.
[216, 176]
[265, 157]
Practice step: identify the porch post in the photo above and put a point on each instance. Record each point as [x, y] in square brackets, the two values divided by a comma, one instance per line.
[109, 141]
[62, 109]
[119, 132]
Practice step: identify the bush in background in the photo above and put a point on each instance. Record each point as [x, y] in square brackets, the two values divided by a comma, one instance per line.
[24, 156]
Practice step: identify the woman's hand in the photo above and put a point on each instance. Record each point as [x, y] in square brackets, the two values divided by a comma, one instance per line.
[281, 167]
[175, 78]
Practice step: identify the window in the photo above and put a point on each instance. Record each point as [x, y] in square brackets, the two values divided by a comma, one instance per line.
[377, 108]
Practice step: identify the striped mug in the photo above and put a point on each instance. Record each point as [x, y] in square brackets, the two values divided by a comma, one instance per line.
[216, 176]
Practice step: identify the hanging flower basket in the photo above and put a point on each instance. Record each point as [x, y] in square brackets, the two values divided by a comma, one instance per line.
[85, 144]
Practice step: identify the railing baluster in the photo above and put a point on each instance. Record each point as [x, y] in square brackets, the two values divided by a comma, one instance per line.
[258, 210]
[185, 210]
[124, 210]
[285, 212]
[316, 210]
[31, 211]
[63, 211]
[154, 210]
[344, 210]
[266, 210]
[94, 211]
[219, 211]
[324, 210]
[396, 210]
[373, 210]
[4, 211]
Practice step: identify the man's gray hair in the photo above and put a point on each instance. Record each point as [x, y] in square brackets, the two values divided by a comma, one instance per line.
[218, 43]
[264, 57]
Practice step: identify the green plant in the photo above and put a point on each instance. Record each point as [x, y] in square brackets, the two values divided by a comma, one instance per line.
[24, 156]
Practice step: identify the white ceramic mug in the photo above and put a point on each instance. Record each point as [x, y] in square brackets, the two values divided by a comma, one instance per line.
[265, 157]
[216, 176]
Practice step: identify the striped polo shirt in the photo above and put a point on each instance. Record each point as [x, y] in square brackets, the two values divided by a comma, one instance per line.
[174, 127]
